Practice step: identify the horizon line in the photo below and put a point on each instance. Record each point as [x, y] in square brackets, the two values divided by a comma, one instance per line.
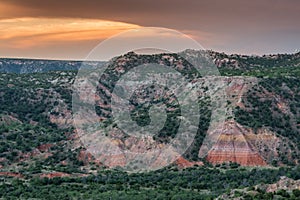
[83, 60]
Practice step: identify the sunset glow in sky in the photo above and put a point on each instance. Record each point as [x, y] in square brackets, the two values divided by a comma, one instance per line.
[71, 29]
[27, 34]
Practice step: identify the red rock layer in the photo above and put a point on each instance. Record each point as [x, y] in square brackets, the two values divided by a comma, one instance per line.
[183, 163]
[11, 174]
[232, 146]
[244, 159]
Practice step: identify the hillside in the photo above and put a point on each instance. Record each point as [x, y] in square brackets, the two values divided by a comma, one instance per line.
[21, 66]
[285, 188]
[39, 143]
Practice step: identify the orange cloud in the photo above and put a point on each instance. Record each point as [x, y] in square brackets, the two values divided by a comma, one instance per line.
[22, 33]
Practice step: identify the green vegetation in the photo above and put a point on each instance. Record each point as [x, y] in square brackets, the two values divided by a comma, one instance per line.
[169, 183]
[263, 72]
[273, 103]
[31, 104]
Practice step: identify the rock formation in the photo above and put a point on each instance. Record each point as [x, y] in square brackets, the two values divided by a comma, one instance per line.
[233, 146]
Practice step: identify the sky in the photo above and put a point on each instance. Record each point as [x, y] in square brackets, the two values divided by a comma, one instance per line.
[71, 29]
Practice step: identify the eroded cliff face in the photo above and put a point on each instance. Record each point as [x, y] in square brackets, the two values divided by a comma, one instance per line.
[242, 145]
[143, 151]
[272, 147]
[232, 146]
[232, 141]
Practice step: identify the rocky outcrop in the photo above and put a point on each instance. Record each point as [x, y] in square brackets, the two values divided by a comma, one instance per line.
[237, 87]
[271, 146]
[11, 174]
[233, 142]
[86, 157]
[284, 183]
[232, 146]
[183, 163]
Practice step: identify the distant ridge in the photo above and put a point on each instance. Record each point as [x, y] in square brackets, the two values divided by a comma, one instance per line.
[221, 60]
[21, 66]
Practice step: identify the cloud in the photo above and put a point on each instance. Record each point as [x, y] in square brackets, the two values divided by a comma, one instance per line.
[30, 32]
[55, 38]
[223, 25]
[178, 14]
